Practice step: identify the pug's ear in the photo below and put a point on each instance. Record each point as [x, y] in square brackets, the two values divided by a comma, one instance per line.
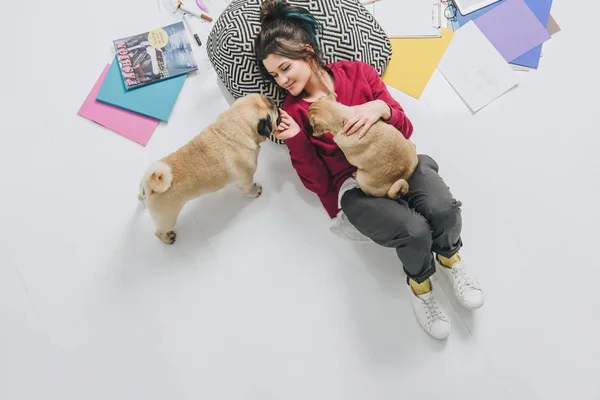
[265, 126]
[318, 128]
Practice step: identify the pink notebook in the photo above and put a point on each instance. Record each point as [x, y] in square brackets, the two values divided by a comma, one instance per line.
[136, 127]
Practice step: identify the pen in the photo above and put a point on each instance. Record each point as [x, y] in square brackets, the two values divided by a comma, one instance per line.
[188, 26]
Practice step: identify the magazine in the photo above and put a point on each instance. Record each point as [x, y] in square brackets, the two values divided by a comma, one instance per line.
[155, 56]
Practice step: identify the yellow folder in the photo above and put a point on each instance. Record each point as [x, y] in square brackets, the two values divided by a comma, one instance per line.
[414, 61]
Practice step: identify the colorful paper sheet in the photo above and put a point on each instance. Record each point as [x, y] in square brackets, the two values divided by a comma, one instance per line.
[512, 28]
[155, 100]
[475, 69]
[552, 26]
[136, 127]
[414, 61]
[541, 9]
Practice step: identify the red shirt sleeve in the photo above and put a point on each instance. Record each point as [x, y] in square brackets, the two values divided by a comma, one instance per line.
[309, 167]
[398, 119]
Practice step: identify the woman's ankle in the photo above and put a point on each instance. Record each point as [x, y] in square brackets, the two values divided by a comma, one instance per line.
[420, 288]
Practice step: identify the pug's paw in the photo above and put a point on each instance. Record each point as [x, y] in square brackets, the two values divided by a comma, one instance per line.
[168, 237]
[254, 191]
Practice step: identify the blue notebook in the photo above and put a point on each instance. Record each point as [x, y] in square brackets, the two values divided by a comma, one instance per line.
[541, 9]
[155, 100]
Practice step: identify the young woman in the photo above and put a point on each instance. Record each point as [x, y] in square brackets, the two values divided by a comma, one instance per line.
[426, 220]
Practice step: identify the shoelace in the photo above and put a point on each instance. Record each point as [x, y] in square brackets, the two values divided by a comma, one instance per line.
[463, 281]
[433, 311]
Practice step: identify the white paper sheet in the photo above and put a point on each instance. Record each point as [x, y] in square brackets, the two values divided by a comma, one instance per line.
[519, 68]
[469, 6]
[409, 18]
[475, 69]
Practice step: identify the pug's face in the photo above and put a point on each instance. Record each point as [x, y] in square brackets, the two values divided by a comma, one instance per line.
[261, 112]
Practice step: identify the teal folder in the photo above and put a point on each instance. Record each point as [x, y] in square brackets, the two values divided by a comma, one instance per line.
[155, 100]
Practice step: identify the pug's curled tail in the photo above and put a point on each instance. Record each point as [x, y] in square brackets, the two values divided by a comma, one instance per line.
[399, 188]
[159, 177]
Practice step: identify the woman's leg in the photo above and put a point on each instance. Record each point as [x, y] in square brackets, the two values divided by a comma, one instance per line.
[429, 196]
[392, 223]
[426, 219]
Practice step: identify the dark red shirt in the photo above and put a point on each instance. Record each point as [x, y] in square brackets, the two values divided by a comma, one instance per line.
[319, 162]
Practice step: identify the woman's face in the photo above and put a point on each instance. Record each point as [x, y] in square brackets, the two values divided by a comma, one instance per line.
[292, 75]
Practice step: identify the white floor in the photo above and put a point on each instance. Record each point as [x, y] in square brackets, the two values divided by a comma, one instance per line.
[257, 300]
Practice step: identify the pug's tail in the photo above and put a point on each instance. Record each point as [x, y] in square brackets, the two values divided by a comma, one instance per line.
[159, 177]
[400, 187]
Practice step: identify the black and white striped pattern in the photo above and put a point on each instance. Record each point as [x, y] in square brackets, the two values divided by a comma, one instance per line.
[349, 33]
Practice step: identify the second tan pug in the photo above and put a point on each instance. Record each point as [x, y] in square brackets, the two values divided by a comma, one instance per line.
[223, 153]
[384, 158]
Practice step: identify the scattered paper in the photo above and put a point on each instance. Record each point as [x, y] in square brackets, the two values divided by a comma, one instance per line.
[519, 68]
[552, 26]
[512, 28]
[408, 18]
[541, 9]
[156, 100]
[469, 6]
[136, 127]
[475, 69]
[414, 61]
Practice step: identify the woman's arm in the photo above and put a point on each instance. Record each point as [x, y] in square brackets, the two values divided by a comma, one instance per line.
[308, 165]
[397, 118]
[384, 106]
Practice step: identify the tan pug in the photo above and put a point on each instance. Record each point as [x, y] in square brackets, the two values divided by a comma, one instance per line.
[384, 158]
[223, 153]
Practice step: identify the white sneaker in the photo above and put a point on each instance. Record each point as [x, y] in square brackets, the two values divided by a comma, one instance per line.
[466, 288]
[342, 227]
[429, 314]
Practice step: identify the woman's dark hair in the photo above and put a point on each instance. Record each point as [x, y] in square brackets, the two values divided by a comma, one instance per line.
[285, 31]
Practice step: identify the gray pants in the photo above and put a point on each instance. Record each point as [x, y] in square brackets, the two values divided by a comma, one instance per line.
[426, 219]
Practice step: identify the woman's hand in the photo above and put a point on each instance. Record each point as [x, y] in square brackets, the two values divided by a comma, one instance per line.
[366, 115]
[288, 128]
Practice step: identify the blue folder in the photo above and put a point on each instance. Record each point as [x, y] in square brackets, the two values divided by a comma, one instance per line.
[155, 100]
[541, 9]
